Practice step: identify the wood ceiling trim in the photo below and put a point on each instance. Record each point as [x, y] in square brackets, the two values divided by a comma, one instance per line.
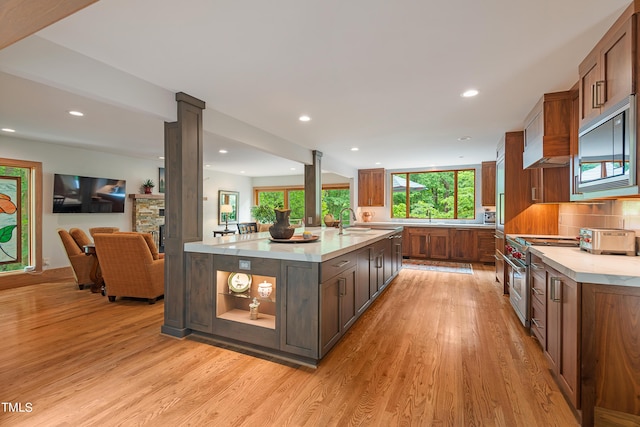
[21, 18]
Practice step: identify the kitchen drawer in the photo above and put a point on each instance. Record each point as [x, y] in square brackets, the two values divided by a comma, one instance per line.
[336, 265]
[538, 285]
[538, 322]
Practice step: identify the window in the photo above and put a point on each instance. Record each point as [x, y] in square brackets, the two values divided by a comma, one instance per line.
[20, 215]
[434, 194]
[334, 198]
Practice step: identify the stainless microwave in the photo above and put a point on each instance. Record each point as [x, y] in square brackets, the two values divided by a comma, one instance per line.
[607, 150]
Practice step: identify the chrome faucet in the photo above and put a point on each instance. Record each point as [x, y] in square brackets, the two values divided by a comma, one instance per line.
[353, 214]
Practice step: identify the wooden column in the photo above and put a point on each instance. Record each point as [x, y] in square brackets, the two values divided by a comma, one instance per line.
[183, 206]
[313, 191]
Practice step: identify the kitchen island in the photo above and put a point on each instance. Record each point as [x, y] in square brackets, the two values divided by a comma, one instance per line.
[292, 301]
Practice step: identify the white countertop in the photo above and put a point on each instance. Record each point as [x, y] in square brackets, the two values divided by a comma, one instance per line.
[425, 224]
[585, 267]
[329, 245]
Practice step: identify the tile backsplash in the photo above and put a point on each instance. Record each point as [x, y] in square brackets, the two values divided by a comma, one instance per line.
[622, 213]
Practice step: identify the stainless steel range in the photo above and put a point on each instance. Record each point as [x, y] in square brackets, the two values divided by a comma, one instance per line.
[518, 260]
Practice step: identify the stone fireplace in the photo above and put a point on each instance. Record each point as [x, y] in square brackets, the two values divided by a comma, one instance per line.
[148, 215]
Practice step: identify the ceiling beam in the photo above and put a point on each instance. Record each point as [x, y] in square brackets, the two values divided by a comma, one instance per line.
[21, 18]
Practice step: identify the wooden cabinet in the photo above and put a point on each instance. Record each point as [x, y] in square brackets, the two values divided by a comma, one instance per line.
[426, 242]
[488, 183]
[397, 251]
[499, 251]
[337, 307]
[486, 246]
[562, 332]
[371, 187]
[546, 132]
[440, 243]
[464, 244]
[610, 355]
[606, 74]
[550, 185]
[514, 212]
[538, 289]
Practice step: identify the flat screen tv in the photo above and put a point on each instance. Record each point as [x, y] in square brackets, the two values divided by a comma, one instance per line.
[85, 194]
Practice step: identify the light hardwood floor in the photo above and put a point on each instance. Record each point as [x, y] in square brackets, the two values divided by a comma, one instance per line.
[436, 349]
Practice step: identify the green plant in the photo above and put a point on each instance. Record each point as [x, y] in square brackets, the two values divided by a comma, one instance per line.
[148, 183]
[263, 214]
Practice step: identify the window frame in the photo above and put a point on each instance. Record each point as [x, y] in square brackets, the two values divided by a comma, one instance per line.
[455, 207]
[7, 278]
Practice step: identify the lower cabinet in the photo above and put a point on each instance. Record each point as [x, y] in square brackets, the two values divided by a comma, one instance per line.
[562, 332]
[430, 243]
[337, 307]
[447, 243]
[464, 244]
[499, 250]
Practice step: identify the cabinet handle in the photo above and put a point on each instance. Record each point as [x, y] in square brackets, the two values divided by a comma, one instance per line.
[596, 90]
[534, 195]
[342, 263]
[553, 290]
[343, 286]
[537, 291]
[536, 266]
[379, 262]
[535, 322]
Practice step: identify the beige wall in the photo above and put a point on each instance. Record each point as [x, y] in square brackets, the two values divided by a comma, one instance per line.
[623, 213]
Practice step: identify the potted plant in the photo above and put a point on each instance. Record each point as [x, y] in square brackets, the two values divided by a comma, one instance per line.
[148, 186]
[263, 214]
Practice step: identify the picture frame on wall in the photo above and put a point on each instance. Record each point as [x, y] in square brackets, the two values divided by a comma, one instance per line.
[161, 180]
[228, 199]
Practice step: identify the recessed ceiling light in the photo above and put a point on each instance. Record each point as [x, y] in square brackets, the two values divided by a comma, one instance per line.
[378, 163]
[161, 157]
[207, 166]
[222, 151]
[8, 130]
[464, 138]
[76, 113]
[469, 93]
[293, 169]
[304, 118]
[354, 149]
[241, 171]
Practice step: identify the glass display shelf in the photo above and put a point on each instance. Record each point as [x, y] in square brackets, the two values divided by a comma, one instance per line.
[248, 295]
[238, 292]
[242, 316]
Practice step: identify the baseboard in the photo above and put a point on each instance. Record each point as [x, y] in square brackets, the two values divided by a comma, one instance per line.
[20, 278]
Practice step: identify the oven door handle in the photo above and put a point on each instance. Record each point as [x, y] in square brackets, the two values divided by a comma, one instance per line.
[518, 268]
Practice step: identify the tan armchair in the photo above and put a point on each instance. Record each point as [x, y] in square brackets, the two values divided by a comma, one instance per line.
[95, 230]
[131, 265]
[80, 263]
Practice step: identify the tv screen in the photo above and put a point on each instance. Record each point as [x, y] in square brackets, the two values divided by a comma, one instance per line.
[85, 194]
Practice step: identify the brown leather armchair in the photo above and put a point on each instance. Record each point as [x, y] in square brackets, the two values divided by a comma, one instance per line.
[80, 263]
[131, 265]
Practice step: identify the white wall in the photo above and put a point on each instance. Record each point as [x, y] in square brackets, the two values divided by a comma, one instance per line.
[215, 181]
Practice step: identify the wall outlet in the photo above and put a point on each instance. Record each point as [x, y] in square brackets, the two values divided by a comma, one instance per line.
[46, 261]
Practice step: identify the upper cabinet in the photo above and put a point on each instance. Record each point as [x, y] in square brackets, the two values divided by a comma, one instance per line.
[371, 187]
[488, 183]
[606, 74]
[546, 132]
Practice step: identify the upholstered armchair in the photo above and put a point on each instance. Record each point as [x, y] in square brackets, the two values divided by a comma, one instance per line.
[95, 230]
[80, 263]
[131, 265]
